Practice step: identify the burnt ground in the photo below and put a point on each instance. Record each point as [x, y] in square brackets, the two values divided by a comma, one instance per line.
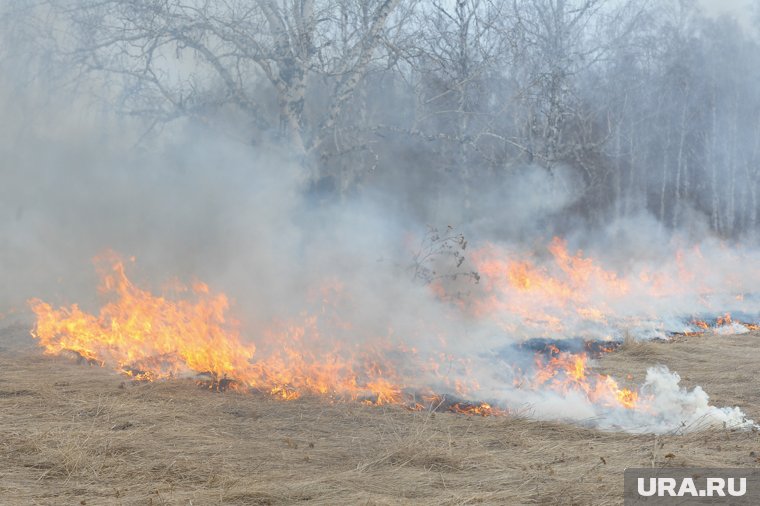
[78, 434]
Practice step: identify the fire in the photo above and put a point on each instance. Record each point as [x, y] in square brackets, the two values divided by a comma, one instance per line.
[723, 320]
[482, 409]
[146, 337]
[568, 294]
[189, 333]
[568, 372]
[549, 297]
[149, 337]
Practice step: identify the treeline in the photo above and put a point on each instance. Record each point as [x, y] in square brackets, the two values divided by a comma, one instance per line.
[651, 105]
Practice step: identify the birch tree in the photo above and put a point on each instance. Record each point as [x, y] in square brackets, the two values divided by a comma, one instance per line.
[195, 57]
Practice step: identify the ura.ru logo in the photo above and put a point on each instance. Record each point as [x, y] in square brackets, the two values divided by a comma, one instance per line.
[715, 487]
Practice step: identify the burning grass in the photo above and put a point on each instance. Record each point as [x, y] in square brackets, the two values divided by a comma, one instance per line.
[74, 434]
[149, 337]
[152, 337]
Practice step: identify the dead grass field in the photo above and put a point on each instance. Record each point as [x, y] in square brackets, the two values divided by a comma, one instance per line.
[74, 434]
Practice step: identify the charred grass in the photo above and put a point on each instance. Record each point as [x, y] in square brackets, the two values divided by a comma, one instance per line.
[78, 434]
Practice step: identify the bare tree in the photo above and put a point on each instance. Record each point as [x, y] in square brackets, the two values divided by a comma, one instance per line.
[195, 57]
[454, 60]
[559, 40]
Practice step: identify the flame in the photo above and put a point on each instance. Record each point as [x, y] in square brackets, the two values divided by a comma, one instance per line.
[570, 293]
[543, 296]
[568, 372]
[482, 409]
[152, 337]
[149, 337]
[146, 337]
[721, 321]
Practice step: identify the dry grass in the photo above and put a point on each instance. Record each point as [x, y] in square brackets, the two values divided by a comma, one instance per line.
[633, 347]
[75, 434]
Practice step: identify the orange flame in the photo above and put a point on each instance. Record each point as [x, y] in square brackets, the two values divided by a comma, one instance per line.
[543, 297]
[151, 337]
[148, 337]
[145, 336]
[571, 292]
[568, 372]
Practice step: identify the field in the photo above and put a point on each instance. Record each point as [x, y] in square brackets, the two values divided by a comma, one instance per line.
[75, 434]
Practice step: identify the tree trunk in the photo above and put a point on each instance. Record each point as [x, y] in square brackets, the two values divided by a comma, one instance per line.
[618, 178]
[665, 170]
[712, 160]
[680, 159]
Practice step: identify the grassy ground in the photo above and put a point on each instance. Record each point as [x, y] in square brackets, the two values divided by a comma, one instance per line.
[73, 434]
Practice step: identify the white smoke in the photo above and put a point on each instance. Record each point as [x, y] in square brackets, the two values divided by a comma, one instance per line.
[668, 407]
[664, 407]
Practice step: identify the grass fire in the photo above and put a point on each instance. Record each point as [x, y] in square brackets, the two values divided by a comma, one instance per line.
[377, 251]
[149, 337]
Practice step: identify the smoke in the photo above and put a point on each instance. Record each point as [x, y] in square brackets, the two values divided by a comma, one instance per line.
[191, 203]
[664, 407]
